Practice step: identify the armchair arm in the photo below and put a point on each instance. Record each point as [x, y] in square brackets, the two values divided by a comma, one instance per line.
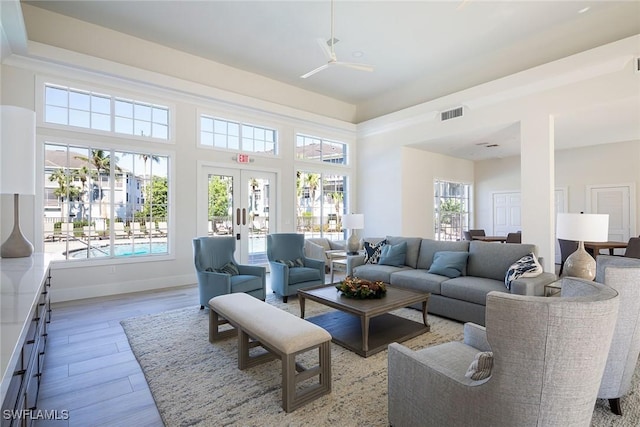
[476, 336]
[532, 286]
[352, 262]
[315, 263]
[252, 270]
[312, 250]
[279, 277]
[213, 283]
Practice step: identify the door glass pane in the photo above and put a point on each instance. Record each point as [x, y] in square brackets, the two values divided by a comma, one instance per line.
[220, 205]
[258, 219]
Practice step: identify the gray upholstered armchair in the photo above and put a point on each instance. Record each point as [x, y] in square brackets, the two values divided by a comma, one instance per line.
[302, 272]
[548, 358]
[212, 256]
[623, 275]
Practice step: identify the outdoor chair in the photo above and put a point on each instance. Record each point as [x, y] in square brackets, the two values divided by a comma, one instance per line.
[218, 272]
[290, 268]
[623, 275]
[547, 356]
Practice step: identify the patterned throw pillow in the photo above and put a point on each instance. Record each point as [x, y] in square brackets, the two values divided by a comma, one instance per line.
[527, 266]
[481, 366]
[298, 262]
[229, 268]
[372, 251]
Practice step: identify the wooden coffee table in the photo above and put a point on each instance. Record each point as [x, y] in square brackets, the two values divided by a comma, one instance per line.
[365, 326]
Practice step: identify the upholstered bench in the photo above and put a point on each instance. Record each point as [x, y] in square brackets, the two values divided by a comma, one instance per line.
[283, 335]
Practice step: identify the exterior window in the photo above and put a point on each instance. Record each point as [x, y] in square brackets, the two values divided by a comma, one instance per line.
[322, 150]
[451, 206]
[91, 110]
[87, 217]
[220, 133]
[320, 204]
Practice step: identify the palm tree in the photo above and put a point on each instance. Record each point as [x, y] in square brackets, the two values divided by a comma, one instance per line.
[102, 162]
[65, 189]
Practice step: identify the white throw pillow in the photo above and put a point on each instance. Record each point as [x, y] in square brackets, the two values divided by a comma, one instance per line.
[481, 366]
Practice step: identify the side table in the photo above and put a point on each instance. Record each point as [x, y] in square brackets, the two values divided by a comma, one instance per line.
[553, 289]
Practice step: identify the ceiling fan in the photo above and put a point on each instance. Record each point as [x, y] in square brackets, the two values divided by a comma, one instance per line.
[328, 49]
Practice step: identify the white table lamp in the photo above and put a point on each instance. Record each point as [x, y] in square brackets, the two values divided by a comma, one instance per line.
[18, 162]
[582, 228]
[353, 222]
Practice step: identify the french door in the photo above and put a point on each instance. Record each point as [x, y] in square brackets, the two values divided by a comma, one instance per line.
[239, 203]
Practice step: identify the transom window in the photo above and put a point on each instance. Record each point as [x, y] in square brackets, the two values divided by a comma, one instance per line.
[220, 133]
[319, 149]
[99, 111]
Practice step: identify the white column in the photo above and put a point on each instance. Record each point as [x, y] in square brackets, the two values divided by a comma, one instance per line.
[537, 166]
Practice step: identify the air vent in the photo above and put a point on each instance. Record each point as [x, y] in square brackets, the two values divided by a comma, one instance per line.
[451, 114]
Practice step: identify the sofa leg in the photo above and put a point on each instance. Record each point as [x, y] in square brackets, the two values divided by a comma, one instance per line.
[285, 298]
[616, 408]
[202, 307]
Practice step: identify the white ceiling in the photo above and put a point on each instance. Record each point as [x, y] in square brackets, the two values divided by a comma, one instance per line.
[422, 50]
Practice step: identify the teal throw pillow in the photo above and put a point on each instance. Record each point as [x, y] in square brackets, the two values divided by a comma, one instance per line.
[449, 263]
[229, 268]
[298, 262]
[393, 254]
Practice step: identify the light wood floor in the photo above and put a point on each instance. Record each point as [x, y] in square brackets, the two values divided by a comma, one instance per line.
[89, 368]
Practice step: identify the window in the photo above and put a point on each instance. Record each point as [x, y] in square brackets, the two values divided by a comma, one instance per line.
[322, 150]
[92, 110]
[320, 204]
[451, 206]
[88, 217]
[220, 133]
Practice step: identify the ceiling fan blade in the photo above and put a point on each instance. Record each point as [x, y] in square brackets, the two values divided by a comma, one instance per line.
[356, 66]
[317, 70]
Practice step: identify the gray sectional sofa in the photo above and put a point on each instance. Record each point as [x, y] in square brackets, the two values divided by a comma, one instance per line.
[462, 298]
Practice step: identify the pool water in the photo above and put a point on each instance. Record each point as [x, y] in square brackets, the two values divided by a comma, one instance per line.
[126, 249]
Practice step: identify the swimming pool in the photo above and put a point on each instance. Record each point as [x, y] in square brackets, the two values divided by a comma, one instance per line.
[126, 249]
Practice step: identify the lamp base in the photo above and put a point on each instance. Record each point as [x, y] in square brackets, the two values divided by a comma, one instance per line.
[16, 246]
[580, 264]
[353, 244]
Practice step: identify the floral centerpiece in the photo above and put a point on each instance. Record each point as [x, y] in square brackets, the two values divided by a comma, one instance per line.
[353, 287]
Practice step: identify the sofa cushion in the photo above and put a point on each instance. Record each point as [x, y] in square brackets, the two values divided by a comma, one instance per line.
[492, 260]
[375, 272]
[428, 247]
[471, 289]
[527, 266]
[372, 251]
[393, 254]
[449, 263]
[418, 280]
[413, 248]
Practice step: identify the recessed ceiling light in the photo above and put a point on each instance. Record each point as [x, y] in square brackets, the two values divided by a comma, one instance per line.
[357, 54]
[584, 9]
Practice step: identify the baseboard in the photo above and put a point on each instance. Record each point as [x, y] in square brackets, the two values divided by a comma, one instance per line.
[117, 288]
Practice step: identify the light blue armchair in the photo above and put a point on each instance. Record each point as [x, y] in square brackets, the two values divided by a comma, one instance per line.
[212, 255]
[302, 272]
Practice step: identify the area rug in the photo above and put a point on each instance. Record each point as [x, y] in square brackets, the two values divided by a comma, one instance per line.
[195, 383]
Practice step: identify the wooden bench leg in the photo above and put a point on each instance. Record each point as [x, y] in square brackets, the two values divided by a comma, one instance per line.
[292, 374]
[245, 344]
[214, 324]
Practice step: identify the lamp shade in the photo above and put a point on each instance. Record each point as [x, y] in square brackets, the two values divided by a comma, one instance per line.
[583, 227]
[17, 150]
[353, 221]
